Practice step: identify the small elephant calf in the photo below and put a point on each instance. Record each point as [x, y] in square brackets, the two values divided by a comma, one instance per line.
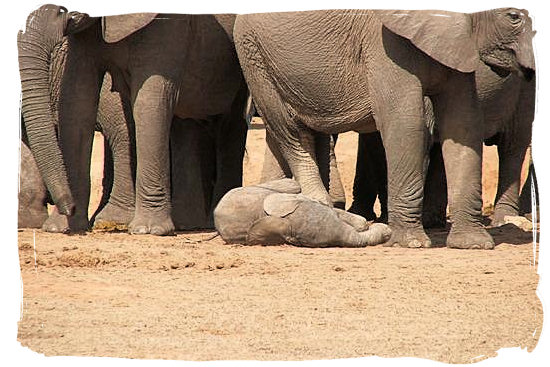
[275, 213]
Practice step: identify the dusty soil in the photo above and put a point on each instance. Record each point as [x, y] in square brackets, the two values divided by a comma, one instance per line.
[193, 297]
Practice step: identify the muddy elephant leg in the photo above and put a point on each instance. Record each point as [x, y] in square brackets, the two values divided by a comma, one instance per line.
[78, 105]
[434, 214]
[370, 177]
[459, 120]
[115, 118]
[275, 167]
[153, 113]
[193, 172]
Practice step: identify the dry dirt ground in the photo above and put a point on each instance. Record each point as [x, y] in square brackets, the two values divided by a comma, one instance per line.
[193, 297]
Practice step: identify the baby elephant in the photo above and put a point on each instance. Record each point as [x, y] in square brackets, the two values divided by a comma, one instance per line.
[275, 212]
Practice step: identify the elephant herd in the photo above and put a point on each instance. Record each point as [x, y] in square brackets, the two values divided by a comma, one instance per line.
[173, 95]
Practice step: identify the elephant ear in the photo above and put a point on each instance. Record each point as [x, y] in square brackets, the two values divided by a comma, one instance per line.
[281, 205]
[445, 36]
[117, 27]
[268, 231]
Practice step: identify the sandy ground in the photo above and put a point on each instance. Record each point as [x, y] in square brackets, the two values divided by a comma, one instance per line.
[193, 297]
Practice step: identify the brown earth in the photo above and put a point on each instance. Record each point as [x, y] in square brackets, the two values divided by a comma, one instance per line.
[193, 297]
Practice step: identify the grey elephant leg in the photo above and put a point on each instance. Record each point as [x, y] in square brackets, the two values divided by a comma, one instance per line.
[32, 193]
[117, 124]
[153, 113]
[193, 172]
[434, 214]
[509, 174]
[275, 167]
[77, 119]
[310, 216]
[405, 136]
[370, 177]
[293, 139]
[462, 147]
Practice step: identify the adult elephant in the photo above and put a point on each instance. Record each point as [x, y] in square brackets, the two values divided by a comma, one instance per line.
[333, 71]
[117, 202]
[164, 65]
[508, 106]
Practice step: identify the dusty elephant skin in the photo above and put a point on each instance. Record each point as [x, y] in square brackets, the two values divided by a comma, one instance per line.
[275, 213]
[393, 58]
[180, 65]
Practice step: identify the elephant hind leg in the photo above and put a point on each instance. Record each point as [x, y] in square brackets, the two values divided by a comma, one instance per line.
[294, 140]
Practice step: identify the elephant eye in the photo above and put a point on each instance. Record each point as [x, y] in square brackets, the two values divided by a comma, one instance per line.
[514, 16]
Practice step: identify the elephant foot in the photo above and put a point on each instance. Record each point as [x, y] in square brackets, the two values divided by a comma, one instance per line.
[408, 237]
[157, 223]
[470, 237]
[59, 223]
[113, 216]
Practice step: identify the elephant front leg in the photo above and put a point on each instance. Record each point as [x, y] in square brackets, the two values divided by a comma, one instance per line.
[153, 112]
[77, 117]
[460, 134]
[117, 124]
[405, 136]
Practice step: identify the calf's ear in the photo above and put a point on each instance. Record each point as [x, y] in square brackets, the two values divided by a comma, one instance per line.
[268, 231]
[281, 205]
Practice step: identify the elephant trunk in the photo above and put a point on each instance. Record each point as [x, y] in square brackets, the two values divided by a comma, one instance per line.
[40, 122]
[525, 55]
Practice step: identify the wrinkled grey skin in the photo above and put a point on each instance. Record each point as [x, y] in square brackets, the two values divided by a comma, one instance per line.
[117, 198]
[275, 213]
[276, 168]
[381, 65]
[508, 105]
[193, 173]
[163, 66]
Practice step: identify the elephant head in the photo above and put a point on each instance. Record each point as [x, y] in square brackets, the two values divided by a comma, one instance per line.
[501, 38]
[43, 48]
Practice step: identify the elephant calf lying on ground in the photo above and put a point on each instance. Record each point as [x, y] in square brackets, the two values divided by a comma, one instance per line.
[276, 212]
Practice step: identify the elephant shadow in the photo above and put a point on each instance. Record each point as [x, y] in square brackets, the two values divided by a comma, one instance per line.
[508, 233]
